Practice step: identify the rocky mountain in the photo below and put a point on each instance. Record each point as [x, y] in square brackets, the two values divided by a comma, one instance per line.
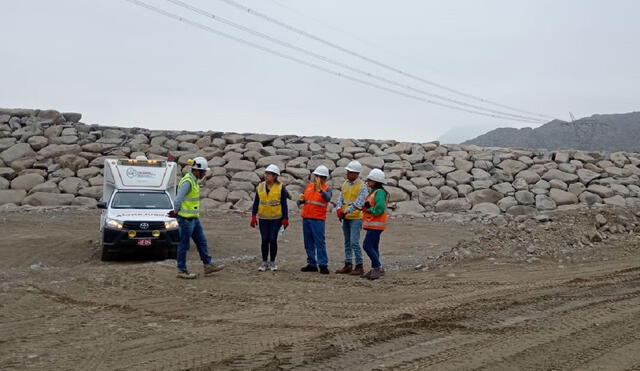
[616, 132]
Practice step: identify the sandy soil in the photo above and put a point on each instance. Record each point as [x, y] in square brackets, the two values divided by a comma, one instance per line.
[61, 308]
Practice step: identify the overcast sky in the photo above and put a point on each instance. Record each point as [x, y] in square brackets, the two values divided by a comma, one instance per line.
[119, 64]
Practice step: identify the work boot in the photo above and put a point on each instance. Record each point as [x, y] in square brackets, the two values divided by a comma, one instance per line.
[357, 271]
[212, 268]
[186, 275]
[273, 266]
[309, 268]
[348, 267]
[263, 267]
[324, 269]
[366, 275]
[376, 273]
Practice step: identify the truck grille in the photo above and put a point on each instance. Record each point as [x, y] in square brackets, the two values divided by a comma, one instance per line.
[137, 226]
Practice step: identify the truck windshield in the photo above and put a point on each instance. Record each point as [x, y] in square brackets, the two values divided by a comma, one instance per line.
[141, 200]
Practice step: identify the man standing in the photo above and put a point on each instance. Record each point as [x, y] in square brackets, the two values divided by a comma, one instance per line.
[350, 202]
[187, 211]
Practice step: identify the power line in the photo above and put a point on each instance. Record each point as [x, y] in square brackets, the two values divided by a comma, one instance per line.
[373, 61]
[303, 62]
[343, 65]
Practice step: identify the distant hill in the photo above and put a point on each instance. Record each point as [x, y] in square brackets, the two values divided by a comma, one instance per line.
[616, 132]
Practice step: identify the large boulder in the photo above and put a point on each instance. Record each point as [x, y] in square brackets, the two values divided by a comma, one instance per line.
[560, 175]
[563, 197]
[12, 196]
[240, 165]
[484, 196]
[600, 190]
[372, 162]
[429, 196]
[16, 152]
[56, 150]
[525, 197]
[486, 208]
[27, 181]
[408, 208]
[452, 206]
[48, 199]
[520, 210]
[92, 192]
[616, 200]
[246, 176]
[507, 202]
[73, 162]
[589, 198]
[531, 177]
[544, 202]
[396, 194]
[512, 166]
[460, 177]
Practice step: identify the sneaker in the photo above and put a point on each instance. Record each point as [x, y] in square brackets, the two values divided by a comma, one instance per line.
[357, 271]
[348, 267]
[324, 269]
[186, 275]
[212, 268]
[309, 268]
[273, 266]
[263, 267]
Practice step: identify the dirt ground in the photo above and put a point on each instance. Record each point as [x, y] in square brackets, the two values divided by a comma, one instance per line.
[61, 308]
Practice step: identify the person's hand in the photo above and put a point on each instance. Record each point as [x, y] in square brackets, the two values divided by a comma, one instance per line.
[172, 214]
[367, 205]
[254, 221]
[340, 214]
[285, 223]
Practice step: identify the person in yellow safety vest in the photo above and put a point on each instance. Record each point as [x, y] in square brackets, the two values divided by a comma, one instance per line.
[374, 221]
[187, 212]
[350, 202]
[270, 207]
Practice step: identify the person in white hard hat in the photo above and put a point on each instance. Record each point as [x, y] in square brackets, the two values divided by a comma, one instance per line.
[374, 221]
[349, 211]
[270, 207]
[187, 212]
[314, 201]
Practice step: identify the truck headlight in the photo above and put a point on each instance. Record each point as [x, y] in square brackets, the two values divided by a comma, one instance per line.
[171, 224]
[113, 223]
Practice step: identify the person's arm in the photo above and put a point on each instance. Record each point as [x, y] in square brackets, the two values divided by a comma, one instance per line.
[256, 202]
[283, 201]
[381, 203]
[326, 194]
[357, 204]
[182, 193]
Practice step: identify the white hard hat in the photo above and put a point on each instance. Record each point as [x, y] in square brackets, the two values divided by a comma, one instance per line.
[377, 175]
[354, 166]
[321, 171]
[200, 163]
[273, 169]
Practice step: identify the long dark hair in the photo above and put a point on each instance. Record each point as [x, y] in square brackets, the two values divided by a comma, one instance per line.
[376, 186]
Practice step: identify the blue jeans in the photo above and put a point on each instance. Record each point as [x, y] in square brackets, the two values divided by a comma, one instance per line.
[371, 246]
[269, 233]
[314, 245]
[351, 230]
[191, 228]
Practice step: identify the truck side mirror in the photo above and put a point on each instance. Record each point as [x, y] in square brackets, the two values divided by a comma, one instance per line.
[101, 205]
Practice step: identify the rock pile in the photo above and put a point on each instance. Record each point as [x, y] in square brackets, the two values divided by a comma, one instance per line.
[51, 158]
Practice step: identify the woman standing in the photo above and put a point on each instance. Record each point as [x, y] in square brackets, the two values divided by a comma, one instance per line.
[270, 206]
[374, 221]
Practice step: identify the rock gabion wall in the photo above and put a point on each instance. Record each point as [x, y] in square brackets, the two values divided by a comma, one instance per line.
[50, 158]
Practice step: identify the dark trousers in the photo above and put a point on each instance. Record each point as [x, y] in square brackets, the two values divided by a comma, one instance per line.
[269, 233]
[371, 246]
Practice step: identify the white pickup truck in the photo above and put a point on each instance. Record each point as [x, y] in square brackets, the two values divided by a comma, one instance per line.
[138, 194]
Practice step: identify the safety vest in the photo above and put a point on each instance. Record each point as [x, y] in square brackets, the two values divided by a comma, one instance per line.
[350, 193]
[370, 221]
[315, 206]
[269, 206]
[190, 207]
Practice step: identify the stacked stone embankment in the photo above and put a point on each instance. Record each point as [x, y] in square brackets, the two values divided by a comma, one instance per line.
[48, 158]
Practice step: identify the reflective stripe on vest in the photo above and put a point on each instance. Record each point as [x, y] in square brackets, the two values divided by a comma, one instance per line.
[269, 206]
[370, 221]
[315, 206]
[350, 193]
[190, 206]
